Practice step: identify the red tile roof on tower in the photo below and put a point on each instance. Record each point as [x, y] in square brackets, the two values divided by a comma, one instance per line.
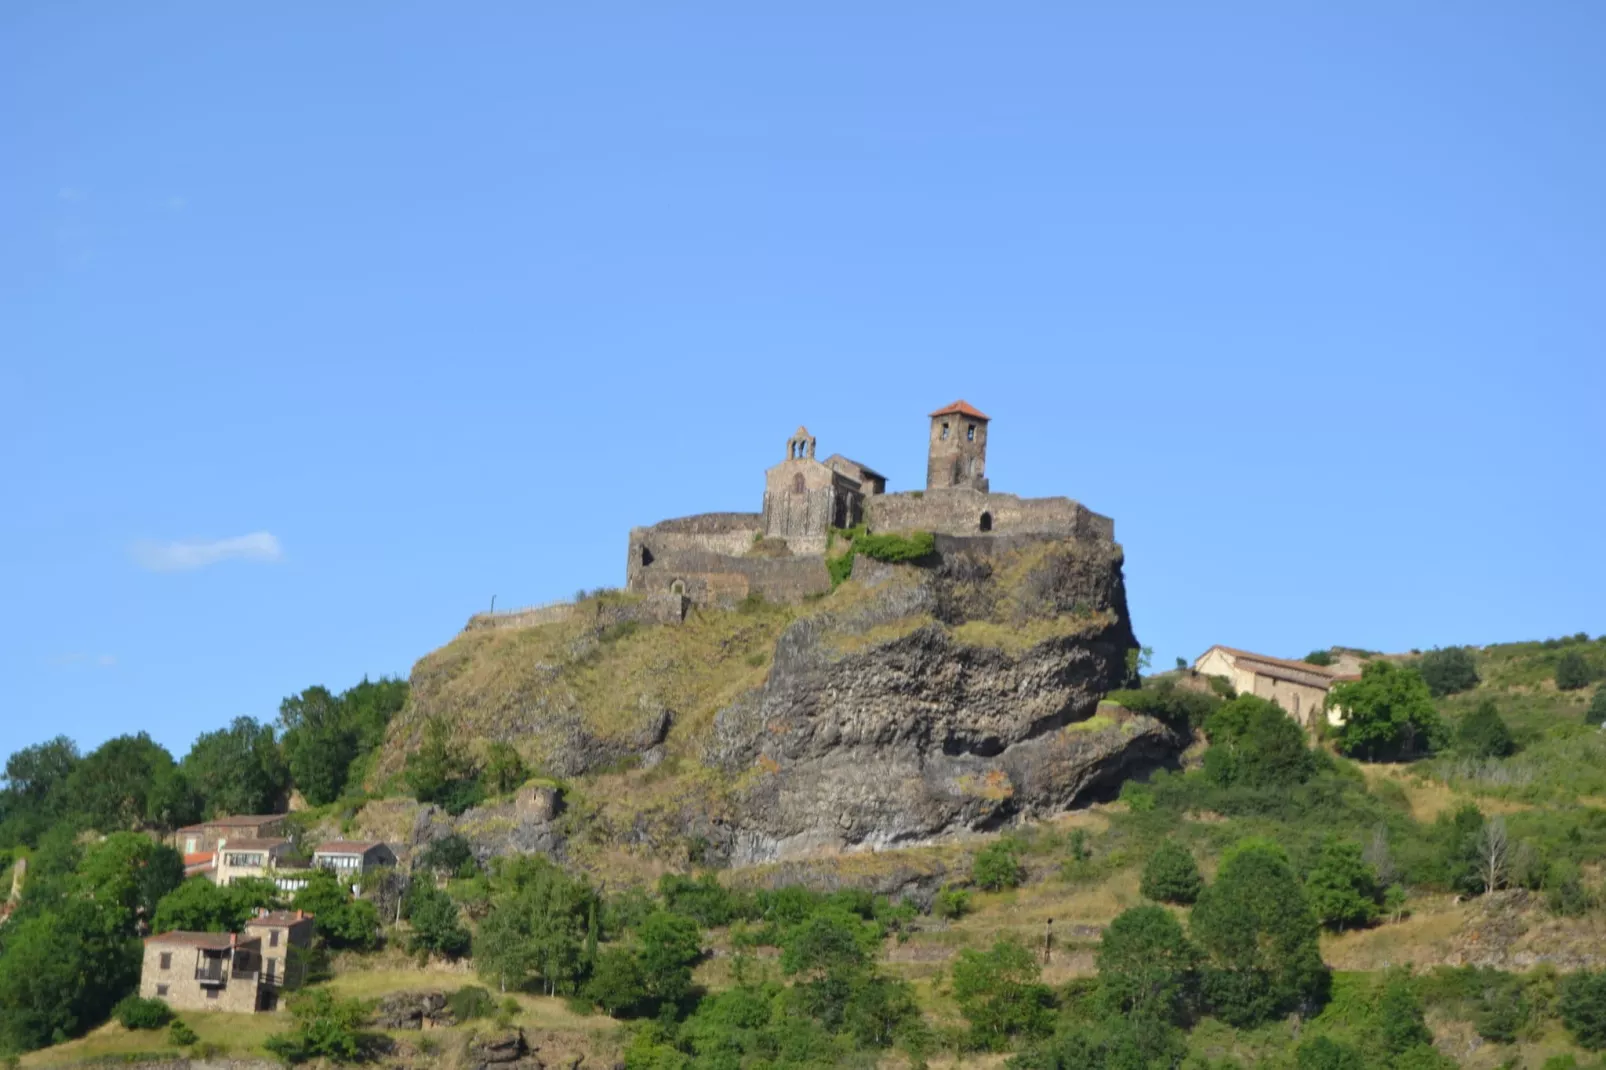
[963, 408]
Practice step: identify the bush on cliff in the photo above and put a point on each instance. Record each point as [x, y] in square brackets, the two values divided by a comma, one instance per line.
[1388, 714]
[1483, 734]
[1171, 875]
[997, 867]
[1449, 670]
[1254, 744]
[1572, 672]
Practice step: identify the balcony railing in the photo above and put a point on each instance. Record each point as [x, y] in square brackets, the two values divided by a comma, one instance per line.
[211, 972]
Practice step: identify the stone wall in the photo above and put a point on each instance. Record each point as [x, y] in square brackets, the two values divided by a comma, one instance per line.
[963, 511]
[719, 579]
[530, 617]
[732, 534]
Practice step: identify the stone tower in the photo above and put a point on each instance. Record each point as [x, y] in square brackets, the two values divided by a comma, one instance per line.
[958, 453]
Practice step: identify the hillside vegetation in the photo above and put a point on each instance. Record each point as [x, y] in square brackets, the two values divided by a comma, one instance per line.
[1257, 899]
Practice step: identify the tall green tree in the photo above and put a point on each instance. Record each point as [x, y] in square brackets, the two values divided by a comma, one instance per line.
[437, 923]
[671, 944]
[1342, 887]
[1388, 713]
[1147, 966]
[238, 769]
[1255, 744]
[536, 927]
[1171, 875]
[61, 971]
[338, 919]
[1572, 671]
[1483, 734]
[319, 743]
[1259, 938]
[1448, 670]
[130, 872]
[35, 794]
[127, 783]
[203, 907]
[1596, 714]
[1001, 994]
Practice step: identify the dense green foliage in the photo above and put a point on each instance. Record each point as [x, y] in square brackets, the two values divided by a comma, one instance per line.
[132, 1012]
[204, 907]
[238, 770]
[1147, 966]
[997, 866]
[326, 1027]
[1572, 672]
[437, 923]
[1254, 744]
[1342, 887]
[1259, 938]
[1597, 708]
[1483, 733]
[1171, 875]
[1388, 714]
[1582, 1005]
[339, 920]
[1448, 670]
[1001, 994]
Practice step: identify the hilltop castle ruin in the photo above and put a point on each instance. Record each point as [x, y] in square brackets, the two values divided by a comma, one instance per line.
[779, 553]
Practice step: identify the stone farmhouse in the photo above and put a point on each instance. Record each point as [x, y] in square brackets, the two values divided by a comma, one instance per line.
[1299, 687]
[779, 552]
[204, 837]
[352, 858]
[243, 972]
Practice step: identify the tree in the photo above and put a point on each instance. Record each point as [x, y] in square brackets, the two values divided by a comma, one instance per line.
[535, 928]
[1596, 714]
[438, 773]
[325, 1027]
[35, 793]
[1388, 713]
[319, 743]
[1448, 670]
[201, 906]
[1000, 993]
[238, 769]
[997, 866]
[1171, 875]
[132, 1012]
[1494, 853]
[1343, 889]
[1483, 734]
[1398, 1016]
[451, 855]
[1259, 937]
[1254, 744]
[1146, 965]
[61, 971]
[338, 919]
[437, 925]
[671, 945]
[1582, 1005]
[126, 783]
[1319, 657]
[1572, 672]
[617, 984]
[130, 872]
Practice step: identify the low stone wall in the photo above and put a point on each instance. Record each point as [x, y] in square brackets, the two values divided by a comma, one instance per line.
[962, 511]
[720, 579]
[663, 607]
[522, 618]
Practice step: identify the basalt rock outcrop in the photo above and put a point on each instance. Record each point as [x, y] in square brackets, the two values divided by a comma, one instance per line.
[952, 699]
[916, 703]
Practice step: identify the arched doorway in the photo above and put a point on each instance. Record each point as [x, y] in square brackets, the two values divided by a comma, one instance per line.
[986, 522]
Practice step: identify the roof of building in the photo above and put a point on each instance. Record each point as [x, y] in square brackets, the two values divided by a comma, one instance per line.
[346, 847]
[963, 408]
[199, 858]
[204, 941]
[277, 919]
[861, 466]
[248, 843]
[235, 821]
[1302, 672]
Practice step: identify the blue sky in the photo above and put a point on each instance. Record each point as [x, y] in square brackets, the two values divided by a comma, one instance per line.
[320, 325]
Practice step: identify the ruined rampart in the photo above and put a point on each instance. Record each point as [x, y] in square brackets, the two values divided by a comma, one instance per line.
[962, 511]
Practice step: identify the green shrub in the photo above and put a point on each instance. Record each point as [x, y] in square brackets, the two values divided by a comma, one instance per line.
[1325, 1053]
[894, 548]
[1398, 1015]
[1171, 875]
[1483, 734]
[1254, 744]
[840, 569]
[325, 1027]
[181, 1034]
[997, 866]
[1448, 671]
[1581, 1003]
[951, 903]
[1319, 657]
[1147, 966]
[1388, 714]
[1572, 672]
[1000, 993]
[1342, 888]
[136, 1013]
[471, 1002]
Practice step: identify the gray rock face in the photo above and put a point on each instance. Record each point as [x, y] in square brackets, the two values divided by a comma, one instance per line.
[868, 734]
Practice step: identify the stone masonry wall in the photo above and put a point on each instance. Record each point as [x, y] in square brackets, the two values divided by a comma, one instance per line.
[711, 578]
[961, 511]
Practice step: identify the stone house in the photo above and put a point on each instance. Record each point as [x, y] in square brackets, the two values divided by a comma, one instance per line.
[352, 858]
[1299, 687]
[198, 839]
[241, 972]
[250, 857]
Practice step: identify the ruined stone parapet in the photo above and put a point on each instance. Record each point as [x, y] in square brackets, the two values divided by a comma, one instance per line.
[962, 511]
[529, 617]
[661, 607]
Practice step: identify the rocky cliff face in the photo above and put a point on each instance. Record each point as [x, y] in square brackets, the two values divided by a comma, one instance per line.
[913, 704]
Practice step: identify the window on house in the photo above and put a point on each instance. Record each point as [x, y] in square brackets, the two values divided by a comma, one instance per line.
[944, 431]
[211, 993]
[273, 938]
[970, 432]
[166, 961]
[161, 990]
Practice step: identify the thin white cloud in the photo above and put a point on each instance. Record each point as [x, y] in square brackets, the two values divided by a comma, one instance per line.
[185, 556]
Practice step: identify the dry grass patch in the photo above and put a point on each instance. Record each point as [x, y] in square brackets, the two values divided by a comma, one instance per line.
[236, 1034]
[1422, 939]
